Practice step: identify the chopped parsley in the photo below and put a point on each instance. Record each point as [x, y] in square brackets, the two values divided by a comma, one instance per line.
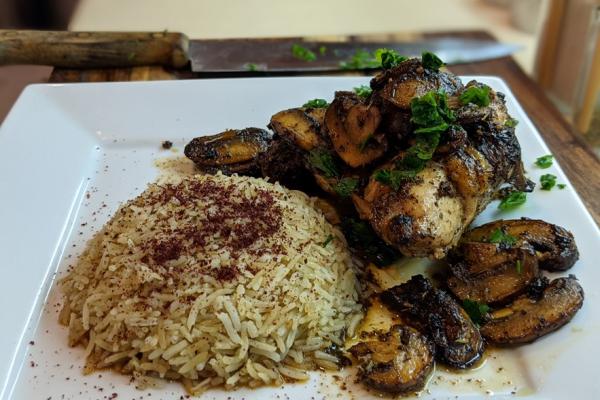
[345, 186]
[323, 161]
[322, 50]
[394, 177]
[251, 67]
[544, 161]
[519, 267]
[561, 186]
[327, 241]
[511, 123]
[477, 311]
[362, 59]
[548, 181]
[302, 53]
[430, 110]
[478, 95]
[502, 238]
[389, 58]
[432, 117]
[431, 61]
[316, 103]
[381, 58]
[363, 91]
[513, 200]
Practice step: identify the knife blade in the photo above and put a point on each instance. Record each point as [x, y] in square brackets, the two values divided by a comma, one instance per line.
[130, 49]
[275, 55]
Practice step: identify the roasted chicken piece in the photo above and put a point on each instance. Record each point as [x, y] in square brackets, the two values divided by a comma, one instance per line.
[396, 361]
[554, 246]
[527, 319]
[426, 215]
[422, 211]
[456, 338]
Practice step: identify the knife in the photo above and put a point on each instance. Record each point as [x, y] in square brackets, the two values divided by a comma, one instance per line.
[172, 49]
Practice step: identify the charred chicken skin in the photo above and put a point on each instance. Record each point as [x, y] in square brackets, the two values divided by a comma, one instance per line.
[418, 158]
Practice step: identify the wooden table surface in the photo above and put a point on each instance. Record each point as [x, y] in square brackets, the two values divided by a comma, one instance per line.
[574, 155]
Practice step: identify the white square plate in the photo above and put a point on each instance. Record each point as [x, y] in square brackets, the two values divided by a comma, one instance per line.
[70, 154]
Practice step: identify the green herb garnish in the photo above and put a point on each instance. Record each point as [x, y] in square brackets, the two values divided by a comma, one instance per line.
[251, 67]
[477, 311]
[561, 186]
[324, 162]
[513, 200]
[363, 91]
[322, 50]
[432, 117]
[431, 61]
[544, 161]
[519, 267]
[502, 238]
[316, 103]
[361, 60]
[327, 241]
[511, 123]
[394, 177]
[479, 95]
[389, 58]
[302, 53]
[345, 186]
[548, 181]
[381, 58]
[431, 109]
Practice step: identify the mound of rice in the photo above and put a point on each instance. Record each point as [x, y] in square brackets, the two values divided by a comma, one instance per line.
[213, 280]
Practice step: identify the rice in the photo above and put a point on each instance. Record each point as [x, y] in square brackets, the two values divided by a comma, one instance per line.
[213, 280]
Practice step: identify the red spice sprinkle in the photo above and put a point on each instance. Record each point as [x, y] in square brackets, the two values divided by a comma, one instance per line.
[238, 222]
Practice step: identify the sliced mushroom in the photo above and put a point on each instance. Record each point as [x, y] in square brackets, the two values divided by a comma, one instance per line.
[394, 361]
[527, 319]
[456, 338]
[352, 126]
[232, 151]
[299, 127]
[495, 279]
[409, 79]
[555, 246]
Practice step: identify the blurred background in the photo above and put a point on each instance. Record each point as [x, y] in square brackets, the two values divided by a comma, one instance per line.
[560, 47]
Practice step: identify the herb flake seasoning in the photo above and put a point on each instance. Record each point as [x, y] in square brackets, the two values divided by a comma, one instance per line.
[500, 237]
[477, 311]
[544, 161]
[548, 181]
[513, 200]
[302, 53]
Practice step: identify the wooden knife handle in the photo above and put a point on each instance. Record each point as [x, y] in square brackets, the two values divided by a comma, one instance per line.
[93, 49]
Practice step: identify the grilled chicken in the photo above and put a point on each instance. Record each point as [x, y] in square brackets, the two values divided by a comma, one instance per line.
[343, 147]
[456, 338]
